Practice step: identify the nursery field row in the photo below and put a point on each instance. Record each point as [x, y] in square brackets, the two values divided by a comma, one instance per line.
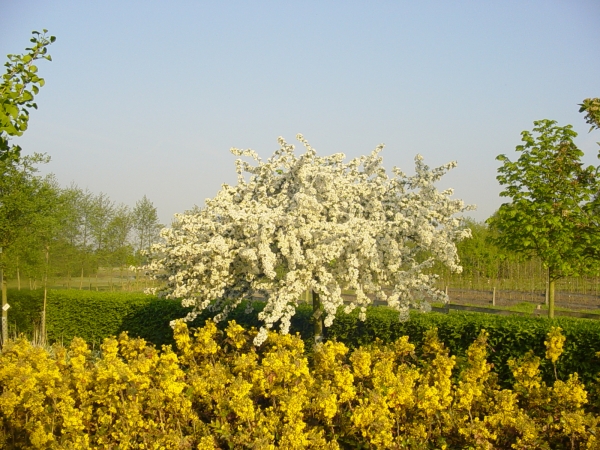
[563, 299]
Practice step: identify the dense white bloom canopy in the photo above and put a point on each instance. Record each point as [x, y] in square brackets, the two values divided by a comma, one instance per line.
[307, 222]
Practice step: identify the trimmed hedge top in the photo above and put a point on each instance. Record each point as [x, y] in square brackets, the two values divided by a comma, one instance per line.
[94, 316]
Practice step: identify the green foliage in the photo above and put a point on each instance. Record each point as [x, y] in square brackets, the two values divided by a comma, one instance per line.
[145, 222]
[19, 85]
[591, 108]
[510, 336]
[96, 315]
[479, 257]
[550, 215]
[23, 197]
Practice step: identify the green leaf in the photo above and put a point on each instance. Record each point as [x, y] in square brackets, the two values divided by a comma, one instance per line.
[12, 110]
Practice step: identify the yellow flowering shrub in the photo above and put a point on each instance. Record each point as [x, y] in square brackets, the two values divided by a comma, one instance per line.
[218, 391]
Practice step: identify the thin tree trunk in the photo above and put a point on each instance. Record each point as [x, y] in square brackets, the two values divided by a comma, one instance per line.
[317, 317]
[18, 275]
[81, 279]
[43, 328]
[551, 285]
[4, 307]
[547, 286]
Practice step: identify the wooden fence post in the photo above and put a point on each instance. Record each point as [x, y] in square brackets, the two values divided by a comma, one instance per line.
[494, 296]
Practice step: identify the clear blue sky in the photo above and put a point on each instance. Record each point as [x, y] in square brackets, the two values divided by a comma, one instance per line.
[147, 97]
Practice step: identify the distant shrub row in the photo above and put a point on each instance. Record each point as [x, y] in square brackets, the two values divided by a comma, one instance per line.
[94, 316]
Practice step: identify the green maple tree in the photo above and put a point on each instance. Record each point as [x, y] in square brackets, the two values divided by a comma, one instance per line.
[552, 212]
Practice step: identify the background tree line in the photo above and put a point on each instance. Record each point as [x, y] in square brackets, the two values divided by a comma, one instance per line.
[67, 232]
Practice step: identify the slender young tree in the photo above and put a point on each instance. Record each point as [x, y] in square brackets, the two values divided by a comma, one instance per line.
[45, 230]
[297, 223]
[103, 211]
[85, 241]
[119, 249]
[551, 210]
[145, 224]
[20, 208]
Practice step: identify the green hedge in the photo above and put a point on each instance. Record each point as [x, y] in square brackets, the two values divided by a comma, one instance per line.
[96, 315]
[509, 336]
[87, 314]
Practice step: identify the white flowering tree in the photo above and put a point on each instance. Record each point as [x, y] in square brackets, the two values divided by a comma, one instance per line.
[298, 223]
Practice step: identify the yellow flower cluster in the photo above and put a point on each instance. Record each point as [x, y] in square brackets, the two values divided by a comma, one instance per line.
[218, 391]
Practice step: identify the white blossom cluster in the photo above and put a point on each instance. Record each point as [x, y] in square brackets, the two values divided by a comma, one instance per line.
[297, 223]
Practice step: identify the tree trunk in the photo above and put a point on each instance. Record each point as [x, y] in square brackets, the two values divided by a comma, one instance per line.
[43, 327]
[81, 279]
[317, 318]
[551, 281]
[4, 309]
[18, 276]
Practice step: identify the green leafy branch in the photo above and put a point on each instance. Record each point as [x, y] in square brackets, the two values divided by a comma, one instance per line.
[19, 85]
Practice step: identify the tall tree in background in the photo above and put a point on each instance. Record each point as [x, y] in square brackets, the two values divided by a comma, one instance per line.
[45, 230]
[20, 208]
[145, 224]
[119, 249]
[85, 213]
[19, 185]
[70, 233]
[103, 209]
[19, 85]
[551, 212]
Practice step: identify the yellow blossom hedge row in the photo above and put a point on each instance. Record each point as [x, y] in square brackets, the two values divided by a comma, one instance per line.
[218, 391]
